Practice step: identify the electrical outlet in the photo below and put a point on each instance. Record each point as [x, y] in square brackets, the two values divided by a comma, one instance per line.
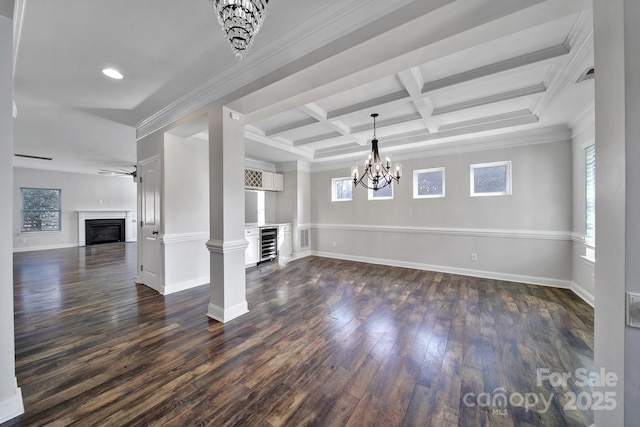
[633, 310]
[474, 257]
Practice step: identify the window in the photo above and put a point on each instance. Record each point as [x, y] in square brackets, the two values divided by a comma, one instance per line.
[385, 193]
[40, 209]
[590, 196]
[428, 183]
[341, 189]
[491, 179]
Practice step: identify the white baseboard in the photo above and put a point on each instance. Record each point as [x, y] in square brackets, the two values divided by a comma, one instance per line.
[188, 284]
[45, 248]
[12, 407]
[584, 294]
[60, 246]
[226, 314]
[533, 280]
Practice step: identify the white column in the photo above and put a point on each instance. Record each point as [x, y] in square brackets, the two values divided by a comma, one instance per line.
[10, 395]
[226, 189]
[617, 270]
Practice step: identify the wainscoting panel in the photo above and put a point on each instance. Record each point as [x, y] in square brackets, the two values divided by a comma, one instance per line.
[535, 257]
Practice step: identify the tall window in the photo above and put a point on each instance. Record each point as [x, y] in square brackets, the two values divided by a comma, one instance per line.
[491, 179]
[341, 189]
[590, 196]
[40, 209]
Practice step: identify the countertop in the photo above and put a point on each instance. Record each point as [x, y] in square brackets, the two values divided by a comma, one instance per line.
[268, 224]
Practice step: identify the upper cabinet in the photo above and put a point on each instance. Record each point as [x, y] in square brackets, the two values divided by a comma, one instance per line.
[255, 179]
[267, 181]
[278, 182]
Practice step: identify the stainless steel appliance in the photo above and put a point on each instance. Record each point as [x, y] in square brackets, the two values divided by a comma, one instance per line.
[268, 243]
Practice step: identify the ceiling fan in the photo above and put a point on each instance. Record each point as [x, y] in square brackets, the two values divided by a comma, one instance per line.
[119, 172]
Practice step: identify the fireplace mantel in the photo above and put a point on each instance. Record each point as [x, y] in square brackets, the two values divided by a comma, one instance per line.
[85, 215]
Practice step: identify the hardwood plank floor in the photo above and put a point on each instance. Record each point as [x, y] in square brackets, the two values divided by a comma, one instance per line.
[326, 343]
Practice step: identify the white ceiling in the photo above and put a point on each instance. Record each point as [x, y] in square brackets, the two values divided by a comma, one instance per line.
[439, 72]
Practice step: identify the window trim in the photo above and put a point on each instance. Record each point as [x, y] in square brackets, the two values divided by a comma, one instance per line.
[22, 210]
[370, 193]
[428, 196]
[475, 166]
[334, 197]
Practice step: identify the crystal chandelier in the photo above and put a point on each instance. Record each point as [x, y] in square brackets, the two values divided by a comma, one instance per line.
[240, 20]
[377, 174]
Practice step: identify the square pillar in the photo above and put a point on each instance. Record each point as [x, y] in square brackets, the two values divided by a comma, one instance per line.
[226, 203]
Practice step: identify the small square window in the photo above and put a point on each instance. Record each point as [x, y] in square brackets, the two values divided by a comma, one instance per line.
[384, 193]
[341, 189]
[40, 209]
[428, 183]
[491, 179]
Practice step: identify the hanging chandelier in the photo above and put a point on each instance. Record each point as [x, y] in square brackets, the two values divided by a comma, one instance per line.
[240, 20]
[377, 174]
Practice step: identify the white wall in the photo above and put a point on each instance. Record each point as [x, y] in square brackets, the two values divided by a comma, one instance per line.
[525, 236]
[80, 192]
[185, 205]
[10, 395]
[612, 85]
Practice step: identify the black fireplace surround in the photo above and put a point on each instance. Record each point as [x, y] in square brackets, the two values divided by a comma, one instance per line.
[98, 231]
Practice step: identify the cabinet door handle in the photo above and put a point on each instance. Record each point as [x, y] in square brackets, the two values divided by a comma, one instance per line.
[154, 232]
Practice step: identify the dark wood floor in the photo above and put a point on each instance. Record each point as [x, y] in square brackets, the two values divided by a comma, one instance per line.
[326, 343]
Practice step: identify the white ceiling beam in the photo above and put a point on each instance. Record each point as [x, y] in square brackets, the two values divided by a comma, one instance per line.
[317, 138]
[368, 104]
[498, 67]
[255, 134]
[318, 113]
[384, 123]
[290, 126]
[478, 102]
[581, 41]
[423, 138]
[413, 82]
[486, 119]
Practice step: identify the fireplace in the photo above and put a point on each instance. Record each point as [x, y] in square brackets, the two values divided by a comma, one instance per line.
[98, 231]
[127, 216]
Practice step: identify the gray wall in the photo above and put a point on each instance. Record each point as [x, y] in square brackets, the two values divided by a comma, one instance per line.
[525, 236]
[80, 192]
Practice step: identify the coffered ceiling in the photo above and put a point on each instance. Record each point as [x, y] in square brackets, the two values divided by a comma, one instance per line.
[441, 73]
[530, 80]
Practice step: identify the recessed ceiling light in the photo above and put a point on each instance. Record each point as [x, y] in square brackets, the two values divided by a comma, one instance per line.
[113, 73]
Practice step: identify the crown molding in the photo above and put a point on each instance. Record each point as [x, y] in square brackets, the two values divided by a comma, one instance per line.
[259, 164]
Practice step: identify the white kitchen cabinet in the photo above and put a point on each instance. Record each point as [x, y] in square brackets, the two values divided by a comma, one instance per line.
[284, 240]
[252, 253]
[278, 182]
[267, 181]
[255, 179]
